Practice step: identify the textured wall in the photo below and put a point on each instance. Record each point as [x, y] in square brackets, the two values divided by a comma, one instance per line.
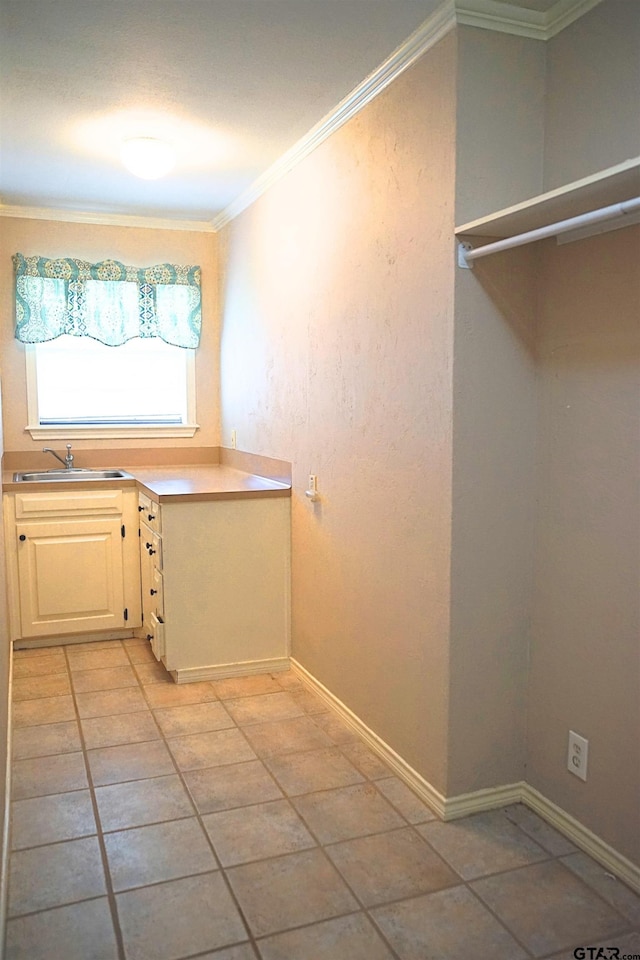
[585, 654]
[134, 245]
[494, 424]
[593, 81]
[500, 111]
[4, 711]
[336, 354]
[585, 658]
[499, 162]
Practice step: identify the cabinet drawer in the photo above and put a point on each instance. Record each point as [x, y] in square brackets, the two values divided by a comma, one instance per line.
[152, 543]
[157, 593]
[156, 636]
[88, 502]
[150, 512]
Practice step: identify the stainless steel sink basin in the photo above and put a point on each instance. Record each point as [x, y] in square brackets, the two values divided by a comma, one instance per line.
[73, 474]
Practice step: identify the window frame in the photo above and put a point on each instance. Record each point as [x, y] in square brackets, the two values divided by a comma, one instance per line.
[115, 432]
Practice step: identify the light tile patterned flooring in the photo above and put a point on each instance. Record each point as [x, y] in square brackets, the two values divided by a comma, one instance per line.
[239, 819]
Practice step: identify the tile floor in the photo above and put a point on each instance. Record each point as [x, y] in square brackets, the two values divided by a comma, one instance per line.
[239, 819]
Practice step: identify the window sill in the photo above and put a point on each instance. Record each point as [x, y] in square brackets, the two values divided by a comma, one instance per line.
[110, 433]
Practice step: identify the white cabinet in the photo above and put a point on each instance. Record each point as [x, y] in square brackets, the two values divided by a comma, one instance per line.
[215, 584]
[73, 562]
[151, 573]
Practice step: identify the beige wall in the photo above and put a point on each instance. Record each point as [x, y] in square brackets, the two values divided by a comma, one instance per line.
[336, 354]
[545, 365]
[494, 416]
[4, 717]
[593, 81]
[500, 138]
[140, 247]
[585, 656]
[585, 653]
[500, 121]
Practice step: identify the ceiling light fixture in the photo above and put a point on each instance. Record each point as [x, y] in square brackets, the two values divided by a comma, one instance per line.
[147, 157]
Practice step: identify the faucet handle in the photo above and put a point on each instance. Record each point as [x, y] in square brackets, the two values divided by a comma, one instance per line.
[69, 457]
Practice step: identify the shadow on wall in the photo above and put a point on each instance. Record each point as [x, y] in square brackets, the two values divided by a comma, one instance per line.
[510, 280]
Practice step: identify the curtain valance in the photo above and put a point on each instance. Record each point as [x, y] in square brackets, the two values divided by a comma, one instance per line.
[108, 301]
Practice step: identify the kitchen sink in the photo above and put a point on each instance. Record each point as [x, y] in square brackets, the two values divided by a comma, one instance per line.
[73, 474]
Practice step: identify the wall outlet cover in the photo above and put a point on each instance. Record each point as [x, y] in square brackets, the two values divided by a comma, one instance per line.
[578, 755]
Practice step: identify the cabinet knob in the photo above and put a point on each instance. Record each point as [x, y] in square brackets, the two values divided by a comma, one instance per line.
[153, 592]
[140, 509]
[149, 636]
[151, 516]
[151, 552]
[22, 536]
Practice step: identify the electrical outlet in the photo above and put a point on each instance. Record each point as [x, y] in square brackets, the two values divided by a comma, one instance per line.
[578, 755]
[233, 439]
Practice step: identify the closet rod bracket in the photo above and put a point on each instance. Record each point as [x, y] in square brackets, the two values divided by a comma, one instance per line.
[464, 247]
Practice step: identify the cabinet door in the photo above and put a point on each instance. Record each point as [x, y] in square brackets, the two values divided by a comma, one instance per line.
[146, 567]
[71, 576]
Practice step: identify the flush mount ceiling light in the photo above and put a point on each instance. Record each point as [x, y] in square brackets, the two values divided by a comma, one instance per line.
[147, 157]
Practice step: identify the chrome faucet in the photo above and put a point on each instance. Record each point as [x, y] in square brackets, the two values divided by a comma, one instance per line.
[68, 460]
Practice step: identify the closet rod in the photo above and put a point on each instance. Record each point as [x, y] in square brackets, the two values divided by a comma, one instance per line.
[553, 229]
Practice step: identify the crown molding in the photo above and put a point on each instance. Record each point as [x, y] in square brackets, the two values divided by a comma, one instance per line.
[104, 219]
[426, 36]
[508, 18]
[565, 12]
[502, 17]
[486, 14]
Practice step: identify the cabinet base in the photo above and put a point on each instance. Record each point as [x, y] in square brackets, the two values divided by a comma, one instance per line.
[62, 640]
[222, 670]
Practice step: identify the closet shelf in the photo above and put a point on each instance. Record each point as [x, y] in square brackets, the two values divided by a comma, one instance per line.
[595, 198]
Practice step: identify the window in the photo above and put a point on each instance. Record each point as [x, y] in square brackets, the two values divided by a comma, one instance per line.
[109, 348]
[77, 386]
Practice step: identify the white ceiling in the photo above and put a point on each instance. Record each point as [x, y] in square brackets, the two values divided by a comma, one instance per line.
[233, 84]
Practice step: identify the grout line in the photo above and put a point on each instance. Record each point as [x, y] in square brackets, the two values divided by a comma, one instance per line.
[341, 747]
[103, 850]
[198, 817]
[286, 798]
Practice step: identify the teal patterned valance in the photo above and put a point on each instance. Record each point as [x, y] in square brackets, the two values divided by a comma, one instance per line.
[107, 301]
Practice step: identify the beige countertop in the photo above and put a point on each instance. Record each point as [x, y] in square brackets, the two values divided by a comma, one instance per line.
[166, 484]
[215, 482]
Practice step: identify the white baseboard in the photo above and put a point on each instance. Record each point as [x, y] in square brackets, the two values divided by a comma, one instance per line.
[488, 799]
[221, 671]
[432, 797]
[452, 808]
[584, 838]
